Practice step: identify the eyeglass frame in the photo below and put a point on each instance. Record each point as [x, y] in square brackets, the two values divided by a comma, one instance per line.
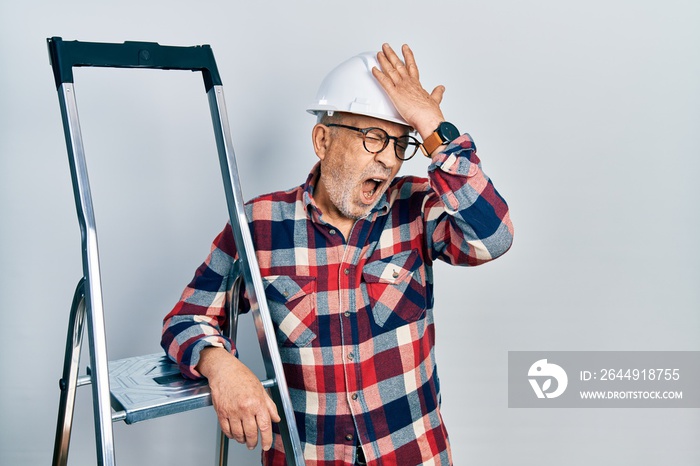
[388, 138]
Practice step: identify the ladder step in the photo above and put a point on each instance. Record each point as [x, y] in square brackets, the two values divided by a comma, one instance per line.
[150, 386]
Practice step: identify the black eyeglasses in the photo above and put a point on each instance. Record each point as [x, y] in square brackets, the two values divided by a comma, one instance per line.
[375, 140]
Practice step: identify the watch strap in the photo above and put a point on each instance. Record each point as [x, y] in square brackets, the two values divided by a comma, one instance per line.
[431, 143]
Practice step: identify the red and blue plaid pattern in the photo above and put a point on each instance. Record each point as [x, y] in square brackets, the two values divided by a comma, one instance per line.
[354, 316]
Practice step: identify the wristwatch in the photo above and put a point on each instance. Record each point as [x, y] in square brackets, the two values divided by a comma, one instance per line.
[444, 133]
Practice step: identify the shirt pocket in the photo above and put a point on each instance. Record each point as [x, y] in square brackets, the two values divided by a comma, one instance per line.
[396, 289]
[292, 304]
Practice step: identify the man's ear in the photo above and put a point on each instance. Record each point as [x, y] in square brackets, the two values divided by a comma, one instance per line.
[321, 138]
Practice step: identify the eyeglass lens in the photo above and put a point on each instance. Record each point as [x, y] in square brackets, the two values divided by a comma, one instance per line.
[376, 140]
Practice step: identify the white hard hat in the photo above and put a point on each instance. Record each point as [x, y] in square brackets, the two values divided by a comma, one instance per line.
[351, 87]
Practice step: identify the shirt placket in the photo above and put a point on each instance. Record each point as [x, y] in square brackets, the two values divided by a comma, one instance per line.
[339, 261]
[349, 281]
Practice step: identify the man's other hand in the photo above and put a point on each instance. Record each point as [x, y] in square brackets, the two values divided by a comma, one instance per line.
[401, 81]
[241, 403]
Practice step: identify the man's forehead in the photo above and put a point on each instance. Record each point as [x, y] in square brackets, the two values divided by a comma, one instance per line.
[364, 121]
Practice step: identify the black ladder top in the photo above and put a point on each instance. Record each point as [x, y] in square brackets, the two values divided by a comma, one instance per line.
[65, 55]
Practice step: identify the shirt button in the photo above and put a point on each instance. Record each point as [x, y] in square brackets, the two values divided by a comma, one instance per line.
[354, 396]
[346, 271]
[349, 437]
[351, 356]
[346, 313]
[332, 232]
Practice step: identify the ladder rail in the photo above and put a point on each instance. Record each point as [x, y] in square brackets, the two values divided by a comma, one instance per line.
[91, 275]
[251, 275]
[70, 381]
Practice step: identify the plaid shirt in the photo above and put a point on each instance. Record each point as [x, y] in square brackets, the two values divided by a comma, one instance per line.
[354, 316]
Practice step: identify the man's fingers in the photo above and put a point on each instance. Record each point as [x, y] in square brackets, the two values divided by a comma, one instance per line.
[388, 70]
[393, 68]
[246, 431]
[437, 94]
[272, 410]
[380, 76]
[236, 430]
[241, 403]
[265, 421]
[385, 81]
[250, 429]
[225, 427]
[265, 426]
[391, 56]
[410, 61]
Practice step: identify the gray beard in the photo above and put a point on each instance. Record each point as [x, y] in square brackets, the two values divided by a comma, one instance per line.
[340, 189]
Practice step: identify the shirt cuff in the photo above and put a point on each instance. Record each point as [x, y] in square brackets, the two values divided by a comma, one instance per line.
[458, 158]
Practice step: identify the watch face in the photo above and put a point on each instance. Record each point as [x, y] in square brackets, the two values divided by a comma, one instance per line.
[448, 131]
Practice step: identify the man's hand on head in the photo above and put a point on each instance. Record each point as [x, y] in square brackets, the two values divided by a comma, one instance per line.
[401, 81]
[241, 403]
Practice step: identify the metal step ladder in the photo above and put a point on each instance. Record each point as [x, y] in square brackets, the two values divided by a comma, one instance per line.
[146, 387]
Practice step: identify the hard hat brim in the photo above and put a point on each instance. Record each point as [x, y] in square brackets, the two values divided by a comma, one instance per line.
[316, 109]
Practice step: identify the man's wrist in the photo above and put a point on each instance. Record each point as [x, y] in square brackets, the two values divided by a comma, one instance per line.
[211, 357]
[427, 127]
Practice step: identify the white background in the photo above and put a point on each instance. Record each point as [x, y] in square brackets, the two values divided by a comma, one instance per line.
[586, 117]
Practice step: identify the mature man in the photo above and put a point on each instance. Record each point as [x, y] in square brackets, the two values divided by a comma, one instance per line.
[346, 259]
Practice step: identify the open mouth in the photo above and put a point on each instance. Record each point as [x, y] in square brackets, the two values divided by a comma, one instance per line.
[370, 188]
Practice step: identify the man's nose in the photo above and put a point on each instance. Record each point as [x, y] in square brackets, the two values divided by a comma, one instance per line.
[387, 157]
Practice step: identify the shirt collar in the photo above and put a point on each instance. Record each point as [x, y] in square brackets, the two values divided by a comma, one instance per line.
[310, 206]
